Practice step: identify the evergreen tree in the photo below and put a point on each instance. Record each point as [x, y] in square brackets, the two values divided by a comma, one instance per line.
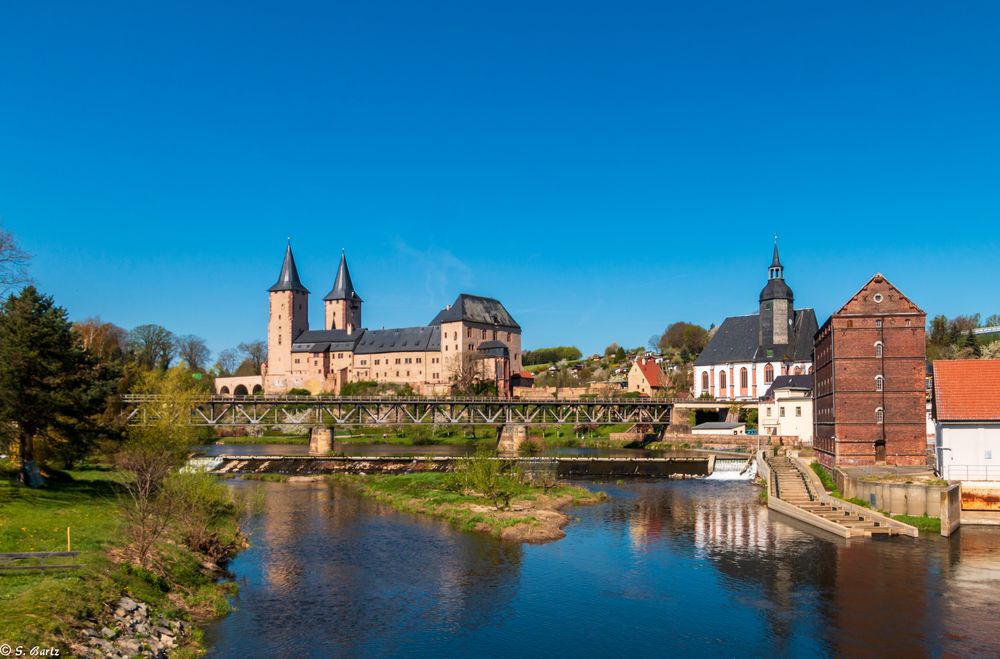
[973, 344]
[49, 384]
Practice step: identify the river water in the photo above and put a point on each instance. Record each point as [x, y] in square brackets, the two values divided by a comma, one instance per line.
[662, 568]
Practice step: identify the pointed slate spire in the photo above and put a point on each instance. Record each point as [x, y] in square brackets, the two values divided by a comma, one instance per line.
[288, 280]
[343, 287]
[775, 263]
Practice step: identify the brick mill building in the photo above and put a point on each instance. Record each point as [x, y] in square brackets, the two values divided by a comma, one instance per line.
[869, 401]
[746, 353]
[474, 335]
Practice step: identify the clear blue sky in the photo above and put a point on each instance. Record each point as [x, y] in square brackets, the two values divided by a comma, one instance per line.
[603, 168]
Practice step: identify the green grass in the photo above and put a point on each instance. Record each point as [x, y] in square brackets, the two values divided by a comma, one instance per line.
[429, 494]
[824, 476]
[46, 608]
[922, 522]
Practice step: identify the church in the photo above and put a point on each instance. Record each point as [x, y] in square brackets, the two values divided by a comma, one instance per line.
[746, 353]
[474, 338]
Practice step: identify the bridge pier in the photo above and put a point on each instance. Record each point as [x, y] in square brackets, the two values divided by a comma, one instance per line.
[510, 437]
[320, 440]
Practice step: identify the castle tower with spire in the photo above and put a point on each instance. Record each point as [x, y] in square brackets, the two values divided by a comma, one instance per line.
[342, 303]
[288, 317]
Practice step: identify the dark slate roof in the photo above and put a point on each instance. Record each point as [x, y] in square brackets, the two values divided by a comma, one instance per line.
[776, 289]
[790, 382]
[288, 279]
[736, 340]
[343, 287]
[406, 339]
[493, 348]
[775, 263]
[327, 340]
[476, 309]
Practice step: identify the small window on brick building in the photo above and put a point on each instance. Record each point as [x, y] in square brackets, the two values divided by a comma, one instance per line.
[909, 322]
[878, 298]
[878, 322]
[879, 415]
[878, 349]
[879, 383]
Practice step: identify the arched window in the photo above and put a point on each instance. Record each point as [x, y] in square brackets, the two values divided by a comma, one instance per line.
[743, 378]
[878, 349]
[879, 382]
[704, 381]
[768, 374]
[722, 380]
[879, 415]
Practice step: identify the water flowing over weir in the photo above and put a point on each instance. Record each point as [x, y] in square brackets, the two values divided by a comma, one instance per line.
[733, 469]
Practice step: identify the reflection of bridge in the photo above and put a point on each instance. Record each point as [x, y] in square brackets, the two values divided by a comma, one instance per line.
[331, 410]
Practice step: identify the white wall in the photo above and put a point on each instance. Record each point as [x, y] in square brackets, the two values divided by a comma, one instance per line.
[968, 445]
[790, 424]
[733, 384]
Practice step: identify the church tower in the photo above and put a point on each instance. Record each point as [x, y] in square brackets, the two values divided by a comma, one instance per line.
[288, 317]
[343, 304]
[776, 304]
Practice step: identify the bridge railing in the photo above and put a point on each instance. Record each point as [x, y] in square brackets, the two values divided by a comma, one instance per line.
[390, 400]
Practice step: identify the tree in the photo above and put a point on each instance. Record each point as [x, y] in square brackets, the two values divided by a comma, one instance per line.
[466, 373]
[550, 355]
[992, 320]
[106, 341]
[48, 382]
[682, 335]
[620, 353]
[13, 263]
[227, 362]
[938, 334]
[973, 345]
[152, 346]
[611, 350]
[256, 352]
[193, 351]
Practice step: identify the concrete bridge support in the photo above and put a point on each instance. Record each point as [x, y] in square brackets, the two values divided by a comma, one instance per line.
[320, 440]
[510, 437]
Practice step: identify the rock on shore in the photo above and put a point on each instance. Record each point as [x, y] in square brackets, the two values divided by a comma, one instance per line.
[131, 632]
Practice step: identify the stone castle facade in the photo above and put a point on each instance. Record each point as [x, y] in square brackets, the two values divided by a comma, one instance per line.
[475, 338]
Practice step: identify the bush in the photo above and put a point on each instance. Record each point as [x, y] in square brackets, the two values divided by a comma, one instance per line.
[299, 391]
[484, 474]
[824, 476]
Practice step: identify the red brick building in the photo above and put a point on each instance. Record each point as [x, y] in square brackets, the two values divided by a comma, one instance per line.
[869, 391]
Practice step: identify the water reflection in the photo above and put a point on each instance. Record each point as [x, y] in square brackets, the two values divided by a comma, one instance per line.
[437, 449]
[663, 567]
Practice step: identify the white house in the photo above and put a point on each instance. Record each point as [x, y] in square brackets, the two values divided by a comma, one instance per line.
[746, 353]
[967, 410]
[787, 408]
[720, 428]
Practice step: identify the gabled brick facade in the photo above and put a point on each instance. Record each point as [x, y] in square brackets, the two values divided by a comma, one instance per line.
[869, 388]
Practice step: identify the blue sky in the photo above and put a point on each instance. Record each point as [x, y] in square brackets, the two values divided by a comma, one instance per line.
[602, 168]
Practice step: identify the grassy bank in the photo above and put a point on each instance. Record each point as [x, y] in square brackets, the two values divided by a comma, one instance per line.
[532, 515]
[264, 439]
[48, 608]
[923, 523]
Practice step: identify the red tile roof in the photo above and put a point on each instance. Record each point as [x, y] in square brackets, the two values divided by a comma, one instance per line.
[967, 389]
[652, 372]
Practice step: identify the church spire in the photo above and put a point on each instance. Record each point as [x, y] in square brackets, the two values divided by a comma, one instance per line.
[343, 287]
[776, 271]
[288, 279]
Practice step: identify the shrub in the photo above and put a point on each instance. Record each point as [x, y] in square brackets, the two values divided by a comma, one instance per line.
[299, 391]
[824, 476]
[484, 474]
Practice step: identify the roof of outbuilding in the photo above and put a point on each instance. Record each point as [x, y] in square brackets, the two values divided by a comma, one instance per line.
[404, 339]
[718, 425]
[802, 382]
[737, 340]
[476, 309]
[343, 287]
[967, 390]
[288, 278]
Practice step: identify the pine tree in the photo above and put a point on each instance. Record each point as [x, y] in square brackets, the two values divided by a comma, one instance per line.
[973, 344]
[48, 383]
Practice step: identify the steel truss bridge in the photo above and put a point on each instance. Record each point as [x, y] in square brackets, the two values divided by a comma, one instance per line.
[319, 411]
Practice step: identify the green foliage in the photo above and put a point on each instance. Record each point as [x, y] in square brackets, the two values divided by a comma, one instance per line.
[688, 338]
[152, 346]
[298, 391]
[620, 353]
[824, 476]
[201, 505]
[50, 386]
[858, 502]
[550, 355]
[922, 522]
[488, 476]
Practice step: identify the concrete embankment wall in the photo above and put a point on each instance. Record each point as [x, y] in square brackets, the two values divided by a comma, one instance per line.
[896, 498]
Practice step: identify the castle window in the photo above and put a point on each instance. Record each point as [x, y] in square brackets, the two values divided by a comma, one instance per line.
[879, 383]
[397, 361]
[768, 374]
[469, 333]
[704, 381]
[878, 349]
[419, 360]
[279, 338]
[879, 415]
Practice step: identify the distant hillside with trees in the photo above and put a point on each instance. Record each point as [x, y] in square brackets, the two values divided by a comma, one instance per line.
[955, 338]
[551, 355]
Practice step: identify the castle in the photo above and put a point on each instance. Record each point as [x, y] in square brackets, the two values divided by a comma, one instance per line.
[473, 339]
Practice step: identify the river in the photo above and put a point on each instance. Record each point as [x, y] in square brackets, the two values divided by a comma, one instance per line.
[661, 568]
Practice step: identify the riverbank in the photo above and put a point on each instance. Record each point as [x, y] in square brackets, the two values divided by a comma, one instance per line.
[534, 514]
[56, 608]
